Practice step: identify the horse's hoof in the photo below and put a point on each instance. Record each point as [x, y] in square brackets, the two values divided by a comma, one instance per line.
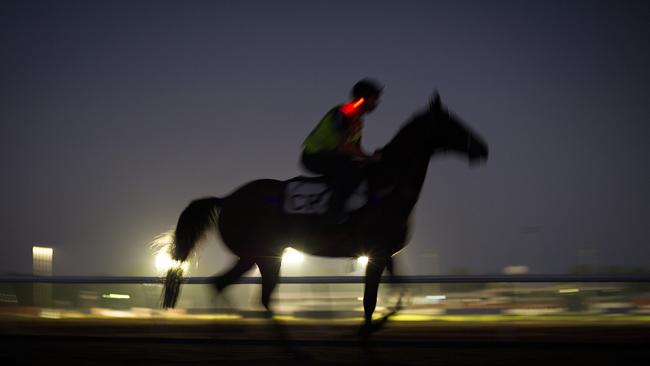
[367, 329]
[364, 331]
[301, 356]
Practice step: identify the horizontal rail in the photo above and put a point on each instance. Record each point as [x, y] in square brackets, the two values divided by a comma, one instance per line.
[334, 279]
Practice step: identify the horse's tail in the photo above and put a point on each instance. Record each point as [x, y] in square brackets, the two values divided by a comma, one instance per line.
[192, 225]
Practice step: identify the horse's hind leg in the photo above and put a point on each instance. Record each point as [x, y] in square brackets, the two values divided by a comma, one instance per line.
[270, 271]
[233, 274]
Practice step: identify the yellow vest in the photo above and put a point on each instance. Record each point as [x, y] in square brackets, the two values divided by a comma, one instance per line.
[326, 137]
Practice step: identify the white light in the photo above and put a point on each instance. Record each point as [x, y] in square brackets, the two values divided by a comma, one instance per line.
[42, 260]
[161, 246]
[116, 296]
[50, 314]
[291, 255]
[164, 262]
[363, 260]
[568, 290]
[42, 252]
[436, 297]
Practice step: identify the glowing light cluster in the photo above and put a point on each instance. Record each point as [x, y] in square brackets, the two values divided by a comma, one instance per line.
[363, 260]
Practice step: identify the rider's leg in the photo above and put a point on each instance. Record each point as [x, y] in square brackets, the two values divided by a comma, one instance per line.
[345, 180]
[319, 163]
[344, 176]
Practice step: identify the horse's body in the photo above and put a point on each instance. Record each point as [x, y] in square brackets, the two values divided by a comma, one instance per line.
[306, 233]
[258, 231]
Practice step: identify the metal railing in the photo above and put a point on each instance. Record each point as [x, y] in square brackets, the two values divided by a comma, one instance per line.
[337, 296]
[336, 279]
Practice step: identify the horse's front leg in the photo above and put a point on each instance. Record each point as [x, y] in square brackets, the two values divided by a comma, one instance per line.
[373, 275]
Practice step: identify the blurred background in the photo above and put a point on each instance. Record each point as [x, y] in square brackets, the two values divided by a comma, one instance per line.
[115, 115]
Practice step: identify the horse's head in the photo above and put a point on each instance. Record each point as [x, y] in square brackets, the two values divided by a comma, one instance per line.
[446, 132]
[434, 130]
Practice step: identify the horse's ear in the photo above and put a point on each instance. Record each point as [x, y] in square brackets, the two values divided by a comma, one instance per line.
[436, 104]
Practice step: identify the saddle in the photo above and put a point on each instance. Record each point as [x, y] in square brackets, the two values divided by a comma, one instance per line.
[311, 195]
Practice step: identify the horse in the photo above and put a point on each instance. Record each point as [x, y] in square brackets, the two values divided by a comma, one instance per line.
[257, 230]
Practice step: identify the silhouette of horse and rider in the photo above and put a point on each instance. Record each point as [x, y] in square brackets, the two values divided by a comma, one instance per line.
[259, 220]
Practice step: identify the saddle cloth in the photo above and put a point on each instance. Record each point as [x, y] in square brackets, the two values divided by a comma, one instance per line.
[310, 196]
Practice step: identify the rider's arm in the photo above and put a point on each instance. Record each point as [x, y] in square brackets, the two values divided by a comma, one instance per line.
[346, 133]
[352, 149]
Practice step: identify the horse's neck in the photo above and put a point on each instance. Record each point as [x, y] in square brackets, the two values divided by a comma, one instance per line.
[404, 168]
[409, 184]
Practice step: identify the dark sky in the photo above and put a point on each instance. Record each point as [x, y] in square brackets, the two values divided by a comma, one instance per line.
[115, 114]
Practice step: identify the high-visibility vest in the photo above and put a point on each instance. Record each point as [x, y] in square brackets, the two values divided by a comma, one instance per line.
[326, 136]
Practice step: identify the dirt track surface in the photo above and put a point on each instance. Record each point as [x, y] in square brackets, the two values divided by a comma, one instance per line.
[258, 341]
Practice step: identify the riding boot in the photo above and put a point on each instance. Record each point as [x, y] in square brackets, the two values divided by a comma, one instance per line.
[336, 211]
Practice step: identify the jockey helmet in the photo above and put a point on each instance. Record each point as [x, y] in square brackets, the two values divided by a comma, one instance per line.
[366, 88]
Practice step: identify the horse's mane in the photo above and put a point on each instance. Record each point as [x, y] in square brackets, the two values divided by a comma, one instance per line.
[409, 133]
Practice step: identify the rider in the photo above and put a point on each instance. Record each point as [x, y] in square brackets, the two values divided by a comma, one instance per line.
[333, 148]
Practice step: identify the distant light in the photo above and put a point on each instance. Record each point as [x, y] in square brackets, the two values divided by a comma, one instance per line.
[42, 251]
[568, 290]
[292, 256]
[436, 297]
[412, 318]
[50, 314]
[363, 260]
[114, 313]
[219, 316]
[42, 260]
[163, 262]
[515, 270]
[116, 296]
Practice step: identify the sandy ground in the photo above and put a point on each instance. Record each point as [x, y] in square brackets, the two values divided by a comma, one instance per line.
[106, 341]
